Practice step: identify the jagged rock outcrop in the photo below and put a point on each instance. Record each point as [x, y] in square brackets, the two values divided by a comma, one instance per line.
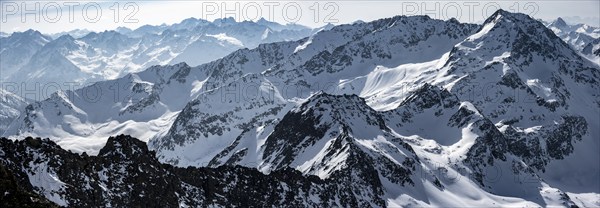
[126, 173]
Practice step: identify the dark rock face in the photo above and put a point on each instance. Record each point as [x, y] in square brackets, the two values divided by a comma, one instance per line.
[333, 119]
[301, 130]
[428, 96]
[126, 174]
[489, 146]
[15, 195]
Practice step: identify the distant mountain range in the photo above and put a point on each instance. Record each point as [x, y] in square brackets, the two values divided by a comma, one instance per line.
[83, 57]
[583, 38]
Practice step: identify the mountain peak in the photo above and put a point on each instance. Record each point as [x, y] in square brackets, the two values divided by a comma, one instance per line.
[108, 38]
[348, 110]
[517, 30]
[516, 37]
[90, 35]
[65, 40]
[506, 16]
[323, 97]
[30, 33]
[31, 36]
[191, 19]
[262, 20]
[122, 29]
[225, 20]
[125, 146]
[188, 24]
[559, 23]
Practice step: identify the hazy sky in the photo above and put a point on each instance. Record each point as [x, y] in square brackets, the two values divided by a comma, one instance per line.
[57, 16]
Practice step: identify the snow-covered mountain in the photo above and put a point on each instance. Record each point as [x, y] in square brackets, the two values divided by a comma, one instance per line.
[77, 33]
[560, 27]
[592, 49]
[582, 37]
[17, 49]
[405, 111]
[11, 105]
[279, 27]
[84, 59]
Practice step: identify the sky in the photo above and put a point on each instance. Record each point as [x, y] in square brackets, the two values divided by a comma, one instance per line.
[58, 16]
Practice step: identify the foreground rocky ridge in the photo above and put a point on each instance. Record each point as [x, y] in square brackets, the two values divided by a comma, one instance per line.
[126, 173]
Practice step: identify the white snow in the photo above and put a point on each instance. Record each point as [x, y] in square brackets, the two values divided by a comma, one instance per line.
[47, 183]
[229, 39]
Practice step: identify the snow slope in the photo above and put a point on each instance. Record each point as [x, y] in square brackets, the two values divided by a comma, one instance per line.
[11, 106]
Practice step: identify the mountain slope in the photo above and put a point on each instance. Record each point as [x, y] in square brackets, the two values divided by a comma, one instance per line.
[592, 50]
[11, 106]
[537, 97]
[17, 49]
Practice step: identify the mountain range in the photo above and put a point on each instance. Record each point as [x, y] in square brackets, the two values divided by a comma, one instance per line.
[82, 57]
[405, 111]
[583, 38]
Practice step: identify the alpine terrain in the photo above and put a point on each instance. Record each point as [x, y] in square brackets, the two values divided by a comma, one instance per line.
[81, 57]
[406, 111]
